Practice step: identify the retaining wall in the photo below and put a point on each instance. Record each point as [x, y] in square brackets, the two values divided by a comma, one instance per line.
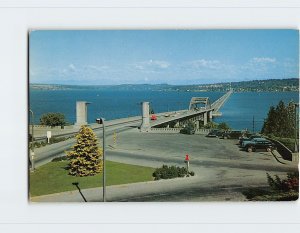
[285, 152]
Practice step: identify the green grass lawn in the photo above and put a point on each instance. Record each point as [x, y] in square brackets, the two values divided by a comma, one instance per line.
[54, 178]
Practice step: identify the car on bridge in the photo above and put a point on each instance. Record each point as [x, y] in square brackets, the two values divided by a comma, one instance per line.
[153, 117]
[259, 144]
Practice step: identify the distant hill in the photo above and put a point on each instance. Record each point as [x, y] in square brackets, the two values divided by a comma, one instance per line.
[272, 85]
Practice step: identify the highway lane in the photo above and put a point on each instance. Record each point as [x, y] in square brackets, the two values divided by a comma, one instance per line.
[45, 154]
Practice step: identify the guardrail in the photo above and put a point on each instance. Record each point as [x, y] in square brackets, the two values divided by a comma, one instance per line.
[177, 130]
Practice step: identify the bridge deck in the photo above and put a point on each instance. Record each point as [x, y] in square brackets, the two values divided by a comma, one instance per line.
[215, 106]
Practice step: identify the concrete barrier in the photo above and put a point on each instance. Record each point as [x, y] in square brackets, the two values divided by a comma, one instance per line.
[202, 131]
[177, 130]
[285, 152]
[165, 130]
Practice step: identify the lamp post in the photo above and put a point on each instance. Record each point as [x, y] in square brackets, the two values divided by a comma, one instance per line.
[101, 121]
[32, 142]
[296, 138]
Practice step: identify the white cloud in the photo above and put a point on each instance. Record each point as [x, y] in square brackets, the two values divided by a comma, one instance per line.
[263, 60]
[203, 63]
[151, 65]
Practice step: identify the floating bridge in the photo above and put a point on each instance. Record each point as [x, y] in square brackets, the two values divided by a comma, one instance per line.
[200, 111]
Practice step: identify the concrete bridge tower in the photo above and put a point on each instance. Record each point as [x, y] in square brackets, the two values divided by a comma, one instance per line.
[145, 127]
[81, 113]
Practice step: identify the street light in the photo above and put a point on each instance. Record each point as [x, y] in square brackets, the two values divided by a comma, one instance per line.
[32, 142]
[101, 121]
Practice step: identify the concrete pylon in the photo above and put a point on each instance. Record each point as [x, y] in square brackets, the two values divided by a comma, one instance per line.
[205, 118]
[210, 115]
[81, 113]
[197, 124]
[145, 126]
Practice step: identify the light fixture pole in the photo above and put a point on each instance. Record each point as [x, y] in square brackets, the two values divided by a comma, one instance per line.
[32, 142]
[101, 121]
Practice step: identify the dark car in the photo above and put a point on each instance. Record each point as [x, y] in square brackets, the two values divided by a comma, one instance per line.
[242, 139]
[214, 133]
[188, 130]
[234, 134]
[259, 144]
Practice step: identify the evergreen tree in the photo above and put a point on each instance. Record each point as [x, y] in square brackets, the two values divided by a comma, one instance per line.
[290, 111]
[86, 156]
[280, 121]
[271, 123]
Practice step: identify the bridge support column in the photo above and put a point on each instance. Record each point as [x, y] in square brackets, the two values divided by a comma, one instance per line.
[81, 113]
[145, 126]
[205, 118]
[197, 124]
[210, 115]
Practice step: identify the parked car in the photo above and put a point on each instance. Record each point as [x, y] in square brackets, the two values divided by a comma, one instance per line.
[234, 134]
[244, 143]
[188, 130]
[242, 139]
[259, 144]
[214, 133]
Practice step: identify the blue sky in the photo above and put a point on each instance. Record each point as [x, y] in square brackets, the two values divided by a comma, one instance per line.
[162, 56]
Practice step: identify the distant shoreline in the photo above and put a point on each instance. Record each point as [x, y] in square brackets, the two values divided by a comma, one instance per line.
[269, 85]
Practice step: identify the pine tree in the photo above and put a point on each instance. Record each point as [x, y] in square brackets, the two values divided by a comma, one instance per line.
[290, 129]
[86, 156]
[271, 123]
[280, 121]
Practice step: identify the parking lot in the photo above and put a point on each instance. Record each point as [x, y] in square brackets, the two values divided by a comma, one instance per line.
[207, 155]
[199, 147]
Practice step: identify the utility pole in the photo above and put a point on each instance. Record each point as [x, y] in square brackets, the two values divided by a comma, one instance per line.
[253, 125]
[101, 121]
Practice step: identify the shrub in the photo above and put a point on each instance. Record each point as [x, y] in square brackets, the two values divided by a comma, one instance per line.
[223, 126]
[285, 185]
[166, 172]
[53, 119]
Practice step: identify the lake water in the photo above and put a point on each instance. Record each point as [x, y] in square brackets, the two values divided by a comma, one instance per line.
[238, 111]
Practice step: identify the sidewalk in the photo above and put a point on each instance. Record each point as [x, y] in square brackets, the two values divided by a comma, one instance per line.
[155, 190]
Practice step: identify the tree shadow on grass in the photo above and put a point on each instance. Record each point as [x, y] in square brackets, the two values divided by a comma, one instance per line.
[77, 186]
